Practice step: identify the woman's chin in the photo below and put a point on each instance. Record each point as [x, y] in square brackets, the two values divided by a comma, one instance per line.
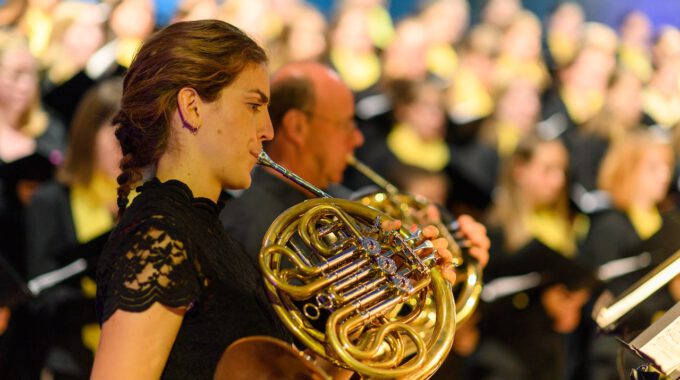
[246, 184]
[238, 184]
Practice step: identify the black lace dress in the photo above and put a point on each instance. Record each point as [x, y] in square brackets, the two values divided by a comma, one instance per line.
[170, 247]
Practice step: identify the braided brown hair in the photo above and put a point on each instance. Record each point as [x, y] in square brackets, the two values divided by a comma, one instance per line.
[206, 55]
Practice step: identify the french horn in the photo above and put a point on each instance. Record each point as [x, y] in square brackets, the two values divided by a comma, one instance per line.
[406, 208]
[337, 281]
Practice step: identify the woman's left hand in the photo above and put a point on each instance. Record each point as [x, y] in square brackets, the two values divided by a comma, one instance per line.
[444, 256]
[476, 240]
[470, 232]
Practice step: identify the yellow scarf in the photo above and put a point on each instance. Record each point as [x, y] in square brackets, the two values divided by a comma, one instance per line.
[442, 60]
[90, 207]
[358, 71]
[645, 222]
[562, 49]
[664, 110]
[91, 218]
[582, 106]
[39, 25]
[468, 97]
[508, 138]
[637, 61]
[552, 230]
[126, 50]
[509, 69]
[380, 26]
[412, 150]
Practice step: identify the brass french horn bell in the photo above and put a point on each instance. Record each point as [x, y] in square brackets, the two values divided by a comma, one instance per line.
[264, 358]
[404, 207]
[337, 280]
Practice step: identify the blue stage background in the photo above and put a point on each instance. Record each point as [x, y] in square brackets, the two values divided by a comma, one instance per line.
[661, 12]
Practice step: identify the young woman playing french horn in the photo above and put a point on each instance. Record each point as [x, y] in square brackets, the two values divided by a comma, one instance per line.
[173, 289]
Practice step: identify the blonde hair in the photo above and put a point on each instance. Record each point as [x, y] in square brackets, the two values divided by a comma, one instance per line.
[621, 164]
[509, 211]
[33, 121]
[60, 67]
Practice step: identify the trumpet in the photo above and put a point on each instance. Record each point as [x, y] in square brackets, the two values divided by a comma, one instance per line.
[402, 206]
[337, 281]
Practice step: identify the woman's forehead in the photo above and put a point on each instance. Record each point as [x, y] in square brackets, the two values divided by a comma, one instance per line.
[253, 78]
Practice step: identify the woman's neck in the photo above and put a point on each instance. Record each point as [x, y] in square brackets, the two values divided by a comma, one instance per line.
[196, 177]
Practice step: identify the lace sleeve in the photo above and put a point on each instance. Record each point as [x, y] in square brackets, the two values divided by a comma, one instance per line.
[152, 265]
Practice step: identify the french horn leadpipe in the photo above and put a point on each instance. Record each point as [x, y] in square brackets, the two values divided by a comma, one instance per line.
[338, 282]
[467, 269]
[264, 160]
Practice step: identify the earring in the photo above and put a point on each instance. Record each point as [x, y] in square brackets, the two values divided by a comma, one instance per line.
[185, 124]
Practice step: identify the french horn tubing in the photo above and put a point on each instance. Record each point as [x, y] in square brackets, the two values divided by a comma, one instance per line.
[399, 205]
[337, 280]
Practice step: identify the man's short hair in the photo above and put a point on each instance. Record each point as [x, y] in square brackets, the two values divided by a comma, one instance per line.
[293, 92]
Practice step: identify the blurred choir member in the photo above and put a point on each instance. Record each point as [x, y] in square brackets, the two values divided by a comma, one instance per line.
[25, 128]
[418, 137]
[563, 34]
[469, 97]
[79, 206]
[635, 172]
[500, 13]
[403, 60]
[517, 109]
[445, 23]
[580, 89]
[131, 21]
[36, 23]
[523, 333]
[78, 32]
[661, 96]
[256, 17]
[635, 53]
[620, 114]
[352, 50]
[303, 38]
[31, 143]
[520, 53]
[531, 199]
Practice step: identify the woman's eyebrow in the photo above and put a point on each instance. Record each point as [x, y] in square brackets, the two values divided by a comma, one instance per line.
[263, 98]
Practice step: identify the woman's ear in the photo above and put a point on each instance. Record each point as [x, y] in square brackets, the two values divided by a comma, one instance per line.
[189, 108]
[295, 126]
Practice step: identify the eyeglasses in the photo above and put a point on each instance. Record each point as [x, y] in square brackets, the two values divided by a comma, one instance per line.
[346, 125]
